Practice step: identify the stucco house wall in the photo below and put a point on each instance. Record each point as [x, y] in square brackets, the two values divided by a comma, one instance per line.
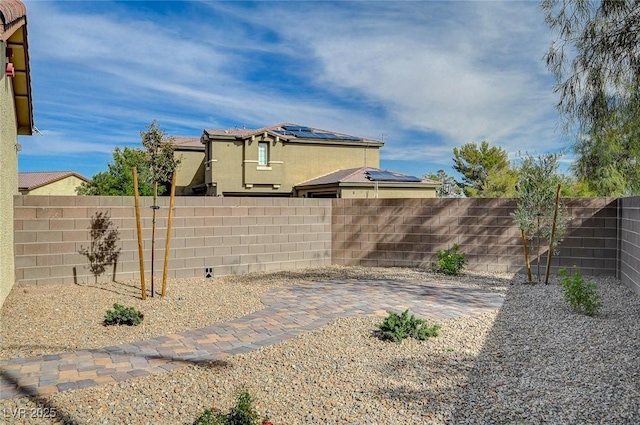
[232, 166]
[66, 186]
[190, 172]
[8, 179]
[16, 117]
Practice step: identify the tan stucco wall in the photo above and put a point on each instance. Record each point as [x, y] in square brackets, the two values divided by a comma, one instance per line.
[356, 192]
[66, 186]
[235, 164]
[190, 171]
[8, 179]
[361, 193]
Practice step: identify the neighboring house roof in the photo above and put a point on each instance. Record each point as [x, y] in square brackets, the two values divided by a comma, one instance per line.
[35, 179]
[13, 31]
[365, 175]
[187, 143]
[290, 132]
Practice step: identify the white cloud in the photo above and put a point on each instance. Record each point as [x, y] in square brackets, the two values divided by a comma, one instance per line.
[453, 71]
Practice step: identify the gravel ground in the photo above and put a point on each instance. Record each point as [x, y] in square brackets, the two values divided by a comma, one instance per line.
[534, 361]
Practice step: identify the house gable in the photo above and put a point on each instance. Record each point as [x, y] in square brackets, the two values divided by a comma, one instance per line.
[49, 182]
[271, 160]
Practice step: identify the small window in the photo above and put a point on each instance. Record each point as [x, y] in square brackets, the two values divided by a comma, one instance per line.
[263, 153]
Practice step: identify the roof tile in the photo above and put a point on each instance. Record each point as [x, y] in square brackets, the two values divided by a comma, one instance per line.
[34, 179]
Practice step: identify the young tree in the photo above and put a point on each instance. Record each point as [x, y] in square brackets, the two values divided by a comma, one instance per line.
[449, 187]
[536, 215]
[118, 179]
[159, 151]
[476, 163]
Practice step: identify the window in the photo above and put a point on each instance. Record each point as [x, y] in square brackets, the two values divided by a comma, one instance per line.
[263, 153]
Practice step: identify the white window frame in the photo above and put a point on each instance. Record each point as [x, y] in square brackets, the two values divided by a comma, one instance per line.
[263, 154]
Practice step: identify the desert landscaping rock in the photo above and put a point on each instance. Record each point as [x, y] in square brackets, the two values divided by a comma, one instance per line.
[532, 361]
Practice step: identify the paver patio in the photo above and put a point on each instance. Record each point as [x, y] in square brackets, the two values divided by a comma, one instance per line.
[288, 311]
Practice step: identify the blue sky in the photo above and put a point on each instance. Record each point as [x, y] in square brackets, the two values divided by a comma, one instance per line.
[427, 75]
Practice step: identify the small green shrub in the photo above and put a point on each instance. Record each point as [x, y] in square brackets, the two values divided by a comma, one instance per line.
[398, 327]
[581, 295]
[450, 261]
[120, 315]
[243, 413]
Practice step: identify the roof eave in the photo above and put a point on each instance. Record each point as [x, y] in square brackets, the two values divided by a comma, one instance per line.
[14, 34]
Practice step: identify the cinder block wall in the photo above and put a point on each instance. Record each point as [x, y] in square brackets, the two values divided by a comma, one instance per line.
[229, 235]
[630, 242]
[408, 232]
[239, 235]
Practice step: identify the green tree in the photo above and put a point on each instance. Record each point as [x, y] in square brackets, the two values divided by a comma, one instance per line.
[449, 187]
[477, 164]
[608, 160]
[162, 163]
[118, 179]
[501, 183]
[596, 62]
[159, 153]
[538, 180]
[595, 58]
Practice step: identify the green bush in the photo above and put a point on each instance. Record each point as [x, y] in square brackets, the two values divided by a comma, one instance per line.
[398, 327]
[243, 413]
[120, 315]
[450, 261]
[582, 296]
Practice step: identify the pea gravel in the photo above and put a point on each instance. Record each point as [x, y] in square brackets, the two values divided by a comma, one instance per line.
[532, 362]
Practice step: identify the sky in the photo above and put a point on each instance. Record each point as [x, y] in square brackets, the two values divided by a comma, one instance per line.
[423, 76]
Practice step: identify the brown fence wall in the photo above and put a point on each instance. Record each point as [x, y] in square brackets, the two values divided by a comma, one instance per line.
[228, 235]
[239, 235]
[408, 232]
[630, 242]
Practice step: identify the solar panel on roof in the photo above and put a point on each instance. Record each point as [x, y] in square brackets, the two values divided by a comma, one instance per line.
[390, 176]
[304, 134]
[296, 128]
[323, 135]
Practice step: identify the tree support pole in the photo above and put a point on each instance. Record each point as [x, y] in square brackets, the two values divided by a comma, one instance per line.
[154, 207]
[168, 241]
[553, 235]
[139, 227]
[526, 254]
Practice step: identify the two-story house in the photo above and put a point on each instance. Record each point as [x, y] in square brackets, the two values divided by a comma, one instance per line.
[286, 159]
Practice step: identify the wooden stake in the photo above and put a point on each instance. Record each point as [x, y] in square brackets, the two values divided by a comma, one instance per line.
[139, 226]
[526, 254]
[168, 241]
[154, 207]
[553, 234]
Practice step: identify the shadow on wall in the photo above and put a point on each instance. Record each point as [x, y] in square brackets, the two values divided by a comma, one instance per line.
[103, 249]
[409, 232]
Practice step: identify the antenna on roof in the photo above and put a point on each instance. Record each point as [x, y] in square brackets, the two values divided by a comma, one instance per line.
[35, 130]
[382, 136]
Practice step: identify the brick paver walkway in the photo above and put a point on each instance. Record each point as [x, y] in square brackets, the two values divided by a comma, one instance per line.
[288, 311]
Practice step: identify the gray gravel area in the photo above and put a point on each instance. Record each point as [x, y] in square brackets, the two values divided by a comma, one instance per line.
[532, 362]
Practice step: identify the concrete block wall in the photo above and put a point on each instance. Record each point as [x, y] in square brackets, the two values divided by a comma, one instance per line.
[240, 235]
[630, 242]
[409, 232]
[228, 235]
